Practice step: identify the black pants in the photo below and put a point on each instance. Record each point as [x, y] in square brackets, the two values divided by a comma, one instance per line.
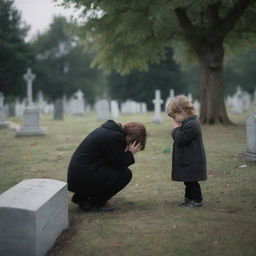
[193, 191]
[108, 183]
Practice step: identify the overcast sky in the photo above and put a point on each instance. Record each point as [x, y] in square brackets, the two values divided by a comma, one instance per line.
[39, 13]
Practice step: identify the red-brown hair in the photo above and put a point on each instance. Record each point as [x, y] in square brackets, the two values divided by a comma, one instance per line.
[135, 131]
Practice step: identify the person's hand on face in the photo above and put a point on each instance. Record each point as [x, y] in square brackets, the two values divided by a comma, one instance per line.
[175, 124]
[134, 147]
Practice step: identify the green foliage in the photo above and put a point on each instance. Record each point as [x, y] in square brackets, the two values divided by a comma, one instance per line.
[15, 54]
[63, 64]
[140, 86]
[131, 35]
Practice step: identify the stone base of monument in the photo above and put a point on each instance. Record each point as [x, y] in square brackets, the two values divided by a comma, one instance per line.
[33, 214]
[31, 126]
[249, 157]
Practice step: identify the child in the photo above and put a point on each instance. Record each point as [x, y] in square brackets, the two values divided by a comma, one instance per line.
[188, 157]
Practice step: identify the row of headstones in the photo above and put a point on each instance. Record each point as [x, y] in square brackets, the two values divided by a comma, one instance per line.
[241, 101]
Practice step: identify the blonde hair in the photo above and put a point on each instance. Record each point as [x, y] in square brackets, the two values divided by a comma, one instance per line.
[179, 104]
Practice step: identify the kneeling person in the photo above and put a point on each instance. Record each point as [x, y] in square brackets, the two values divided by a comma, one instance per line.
[99, 167]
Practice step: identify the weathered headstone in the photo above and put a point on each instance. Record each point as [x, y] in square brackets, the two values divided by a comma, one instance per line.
[2, 112]
[31, 125]
[238, 105]
[143, 107]
[251, 137]
[197, 106]
[77, 104]
[169, 99]
[114, 109]
[33, 214]
[19, 107]
[102, 108]
[157, 102]
[58, 110]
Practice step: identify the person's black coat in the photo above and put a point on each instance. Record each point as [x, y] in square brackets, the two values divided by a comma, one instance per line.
[188, 156]
[103, 148]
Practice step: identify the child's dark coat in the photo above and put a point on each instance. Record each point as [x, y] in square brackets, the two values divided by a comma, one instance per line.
[188, 157]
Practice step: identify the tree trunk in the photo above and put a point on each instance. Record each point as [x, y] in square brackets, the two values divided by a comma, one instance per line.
[213, 109]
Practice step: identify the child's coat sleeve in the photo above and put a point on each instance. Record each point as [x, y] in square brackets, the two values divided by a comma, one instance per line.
[184, 134]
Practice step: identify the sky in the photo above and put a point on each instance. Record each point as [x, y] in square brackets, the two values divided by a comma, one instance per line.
[39, 13]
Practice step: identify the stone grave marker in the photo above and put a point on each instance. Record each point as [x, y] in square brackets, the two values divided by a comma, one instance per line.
[58, 110]
[102, 108]
[31, 125]
[251, 137]
[114, 109]
[33, 214]
[2, 112]
[157, 102]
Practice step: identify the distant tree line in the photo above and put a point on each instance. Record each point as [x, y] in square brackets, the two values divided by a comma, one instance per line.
[62, 63]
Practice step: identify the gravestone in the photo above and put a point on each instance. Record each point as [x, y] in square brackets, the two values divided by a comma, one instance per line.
[197, 106]
[238, 104]
[2, 112]
[114, 109]
[157, 103]
[33, 214]
[190, 97]
[251, 138]
[31, 123]
[102, 109]
[77, 104]
[58, 110]
[169, 99]
[19, 107]
[143, 107]
[41, 101]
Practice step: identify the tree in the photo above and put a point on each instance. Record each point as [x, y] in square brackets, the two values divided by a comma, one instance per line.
[141, 85]
[15, 54]
[62, 63]
[132, 34]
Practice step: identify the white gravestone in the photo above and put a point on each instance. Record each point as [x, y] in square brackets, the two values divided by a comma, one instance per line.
[143, 107]
[33, 214]
[77, 104]
[114, 109]
[2, 112]
[238, 104]
[251, 137]
[169, 99]
[29, 77]
[31, 123]
[102, 108]
[157, 102]
[197, 106]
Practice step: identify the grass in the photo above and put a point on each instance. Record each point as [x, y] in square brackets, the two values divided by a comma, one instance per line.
[148, 221]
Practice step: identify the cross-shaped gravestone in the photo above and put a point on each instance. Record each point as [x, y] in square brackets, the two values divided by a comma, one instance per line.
[157, 102]
[29, 77]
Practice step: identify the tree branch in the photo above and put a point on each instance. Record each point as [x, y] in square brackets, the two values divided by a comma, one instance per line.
[187, 26]
[233, 16]
[212, 14]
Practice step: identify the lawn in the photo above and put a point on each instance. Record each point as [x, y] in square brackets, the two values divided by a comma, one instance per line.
[148, 221]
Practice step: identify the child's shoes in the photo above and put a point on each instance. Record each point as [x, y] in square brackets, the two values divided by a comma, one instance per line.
[194, 203]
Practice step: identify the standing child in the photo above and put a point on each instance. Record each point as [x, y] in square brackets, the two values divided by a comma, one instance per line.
[188, 157]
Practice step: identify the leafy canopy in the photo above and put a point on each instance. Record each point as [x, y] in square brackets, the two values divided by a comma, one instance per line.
[132, 34]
